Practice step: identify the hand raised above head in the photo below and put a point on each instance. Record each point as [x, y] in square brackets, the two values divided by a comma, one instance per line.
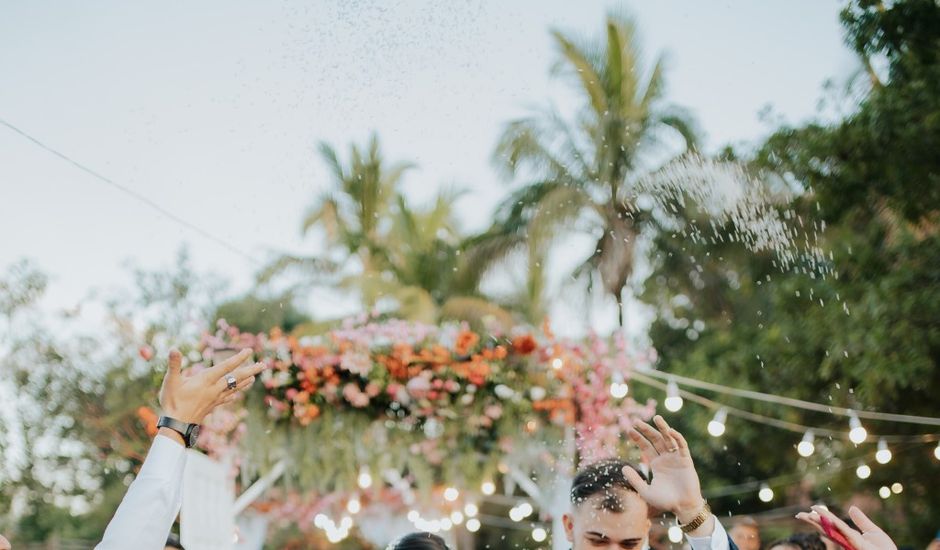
[189, 399]
[675, 485]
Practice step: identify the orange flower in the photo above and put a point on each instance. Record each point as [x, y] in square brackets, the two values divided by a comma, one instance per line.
[474, 371]
[524, 344]
[149, 419]
[466, 340]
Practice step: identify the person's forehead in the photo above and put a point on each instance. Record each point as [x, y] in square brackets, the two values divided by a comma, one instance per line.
[631, 523]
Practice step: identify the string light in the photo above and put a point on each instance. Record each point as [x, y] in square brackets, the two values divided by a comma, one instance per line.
[884, 492]
[883, 456]
[354, 506]
[473, 525]
[451, 494]
[471, 510]
[488, 488]
[619, 388]
[717, 426]
[515, 514]
[539, 534]
[673, 400]
[457, 517]
[557, 363]
[365, 478]
[807, 446]
[936, 452]
[857, 433]
[675, 534]
[896, 488]
[766, 494]
[863, 471]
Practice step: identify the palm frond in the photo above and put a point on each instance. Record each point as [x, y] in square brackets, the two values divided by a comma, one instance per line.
[580, 60]
[318, 267]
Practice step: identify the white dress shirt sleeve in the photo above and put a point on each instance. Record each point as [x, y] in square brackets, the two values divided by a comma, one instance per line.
[718, 540]
[145, 516]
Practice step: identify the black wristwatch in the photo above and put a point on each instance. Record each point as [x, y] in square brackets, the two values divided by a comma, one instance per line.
[190, 432]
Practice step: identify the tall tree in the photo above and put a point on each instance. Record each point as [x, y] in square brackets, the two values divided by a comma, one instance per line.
[867, 337]
[406, 260]
[582, 172]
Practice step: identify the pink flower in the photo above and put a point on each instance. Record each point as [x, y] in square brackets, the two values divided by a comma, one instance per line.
[493, 411]
[418, 387]
[356, 363]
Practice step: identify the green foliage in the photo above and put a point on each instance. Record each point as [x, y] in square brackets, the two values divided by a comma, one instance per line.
[583, 172]
[867, 337]
[255, 314]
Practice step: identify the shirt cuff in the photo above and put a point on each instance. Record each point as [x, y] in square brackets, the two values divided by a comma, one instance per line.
[718, 540]
[165, 460]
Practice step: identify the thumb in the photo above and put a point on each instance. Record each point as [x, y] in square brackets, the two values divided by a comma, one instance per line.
[174, 365]
[860, 519]
[636, 481]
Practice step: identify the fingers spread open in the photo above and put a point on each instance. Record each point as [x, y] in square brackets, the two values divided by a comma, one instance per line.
[654, 437]
[646, 448]
[230, 364]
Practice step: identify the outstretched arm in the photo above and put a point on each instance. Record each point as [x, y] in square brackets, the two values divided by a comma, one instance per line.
[146, 515]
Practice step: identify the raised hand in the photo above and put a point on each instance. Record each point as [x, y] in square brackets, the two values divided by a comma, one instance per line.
[189, 399]
[675, 485]
[871, 536]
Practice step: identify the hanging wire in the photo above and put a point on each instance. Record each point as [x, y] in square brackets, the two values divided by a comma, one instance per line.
[775, 422]
[135, 195]
[797, 403]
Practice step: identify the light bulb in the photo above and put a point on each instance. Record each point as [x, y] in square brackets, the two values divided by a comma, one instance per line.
[451, 494]
[539, 534]
[766, 494]
[807, 446]
[936, 452]
[619, 390]
[557, 363]
[471, 510]
[675, 534]
[457, 517]
[857, 433]
[365, 478]
[717, 426]
[413, 516]
[354, 506]
[673, 400]
[488, 488]
[526, 509]
[516, 514]
[896, 488]
[863, 471]
[473, 525]
[883, 455]
[884, 492]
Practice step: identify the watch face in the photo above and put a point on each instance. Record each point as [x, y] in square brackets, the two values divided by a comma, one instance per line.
[193, 436]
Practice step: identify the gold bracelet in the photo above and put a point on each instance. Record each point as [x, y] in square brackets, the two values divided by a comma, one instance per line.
[698, 520]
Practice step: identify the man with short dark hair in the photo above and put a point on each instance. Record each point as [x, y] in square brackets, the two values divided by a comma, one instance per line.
[745, 532]
[611, 500]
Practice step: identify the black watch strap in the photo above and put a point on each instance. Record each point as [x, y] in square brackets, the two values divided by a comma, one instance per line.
[189, 432]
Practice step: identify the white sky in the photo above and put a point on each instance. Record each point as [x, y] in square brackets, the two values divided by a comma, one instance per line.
[214, 109]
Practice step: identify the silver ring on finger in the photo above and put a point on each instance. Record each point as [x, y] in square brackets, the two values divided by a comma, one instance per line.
[230, 382]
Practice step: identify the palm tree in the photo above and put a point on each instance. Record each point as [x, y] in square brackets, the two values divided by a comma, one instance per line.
[583, 172]
[407, 260]
[349, 213]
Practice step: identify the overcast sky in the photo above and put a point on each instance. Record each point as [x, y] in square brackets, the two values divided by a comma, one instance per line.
[213, 110]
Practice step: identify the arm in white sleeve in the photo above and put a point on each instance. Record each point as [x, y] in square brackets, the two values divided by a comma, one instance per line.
[145, 516]
[718, 540]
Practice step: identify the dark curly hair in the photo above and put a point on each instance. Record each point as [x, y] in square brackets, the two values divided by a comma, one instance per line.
[598, 479]
[420, 541]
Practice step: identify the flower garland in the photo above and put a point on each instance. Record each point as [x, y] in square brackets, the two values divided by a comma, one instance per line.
[415, 405]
